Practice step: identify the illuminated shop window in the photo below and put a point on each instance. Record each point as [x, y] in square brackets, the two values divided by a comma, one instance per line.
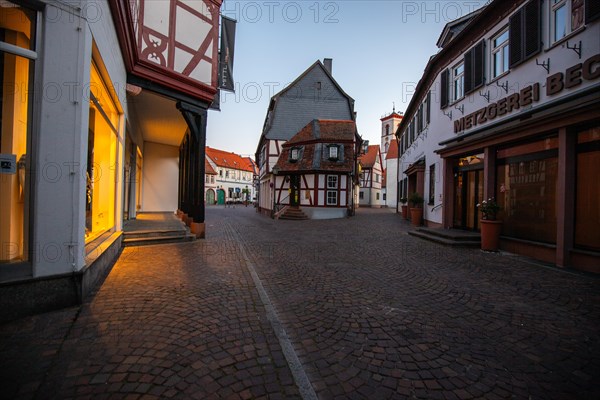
[102, 158]
[17, 37]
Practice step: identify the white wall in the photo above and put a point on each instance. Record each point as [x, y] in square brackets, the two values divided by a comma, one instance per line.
[60, 129]
[160, 177]
[441, 126]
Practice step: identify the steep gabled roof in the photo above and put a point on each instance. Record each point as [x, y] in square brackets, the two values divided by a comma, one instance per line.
[251, 164]
[369, 159]
[303, 107]
[392, 150]
[208, 169]
[230, 160]
[312, 140]
[453, 28]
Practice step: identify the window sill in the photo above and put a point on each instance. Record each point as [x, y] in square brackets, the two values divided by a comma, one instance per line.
[565, 39]
[496, 79]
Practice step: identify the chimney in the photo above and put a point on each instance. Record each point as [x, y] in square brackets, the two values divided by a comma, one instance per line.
[328, 62]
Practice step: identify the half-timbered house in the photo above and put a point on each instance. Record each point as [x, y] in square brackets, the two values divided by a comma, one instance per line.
[314, 174]
[371, 177]
[313, 95]
[131, 85]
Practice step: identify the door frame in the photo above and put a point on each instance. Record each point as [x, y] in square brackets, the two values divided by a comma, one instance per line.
[479, 175]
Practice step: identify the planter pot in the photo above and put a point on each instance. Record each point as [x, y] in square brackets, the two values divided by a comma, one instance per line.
[490, 235]
[416, 215]
[405, 212]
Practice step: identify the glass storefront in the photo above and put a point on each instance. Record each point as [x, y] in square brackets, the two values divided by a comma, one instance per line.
[526, 192]
[102, 158]
[468, 191]
[17, 51]
[587, 201]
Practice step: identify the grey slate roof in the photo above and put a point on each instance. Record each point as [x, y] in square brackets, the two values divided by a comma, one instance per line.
[301, 102]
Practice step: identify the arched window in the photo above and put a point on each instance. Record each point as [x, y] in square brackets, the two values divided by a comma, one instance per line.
[387, 130]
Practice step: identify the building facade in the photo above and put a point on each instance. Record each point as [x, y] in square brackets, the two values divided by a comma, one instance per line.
[316, 168]
[371, 177]
[234, 179]
[81, 148]
[509, 109]
[313, 95]
[389, 126]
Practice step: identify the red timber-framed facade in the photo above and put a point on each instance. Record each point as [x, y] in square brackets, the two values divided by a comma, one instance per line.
[510, 109]
[371, 177]
[170, 49]
[315, 171]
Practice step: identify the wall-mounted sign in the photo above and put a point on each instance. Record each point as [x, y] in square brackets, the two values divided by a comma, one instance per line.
[8, 164]
[556, 83]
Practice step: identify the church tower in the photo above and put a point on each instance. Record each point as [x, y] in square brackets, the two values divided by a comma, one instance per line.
[389, 124]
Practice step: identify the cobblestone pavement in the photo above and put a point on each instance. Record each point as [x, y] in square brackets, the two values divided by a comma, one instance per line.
[356, 308]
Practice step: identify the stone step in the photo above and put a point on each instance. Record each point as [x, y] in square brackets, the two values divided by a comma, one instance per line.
[150, 240]
[295, 214]
[155, 233]
[451, 234]
[445, 240]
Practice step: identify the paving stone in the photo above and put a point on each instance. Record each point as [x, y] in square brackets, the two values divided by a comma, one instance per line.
[370, 311]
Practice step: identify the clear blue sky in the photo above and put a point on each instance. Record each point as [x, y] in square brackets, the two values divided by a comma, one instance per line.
[379, 51]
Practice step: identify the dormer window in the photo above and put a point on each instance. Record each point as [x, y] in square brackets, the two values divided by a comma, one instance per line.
[294, 154]
[334, 153]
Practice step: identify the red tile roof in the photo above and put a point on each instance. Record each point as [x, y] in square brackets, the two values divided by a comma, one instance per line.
[208, 169]
[394, 114]
[368, 160]
[230, 160]
[313, 139]
[392, 150]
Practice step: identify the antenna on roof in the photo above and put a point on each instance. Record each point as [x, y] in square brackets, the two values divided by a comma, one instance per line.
[394, 109]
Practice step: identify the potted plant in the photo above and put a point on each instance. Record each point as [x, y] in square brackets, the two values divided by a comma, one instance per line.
[490, 227]
[404, 207]
[416, 211]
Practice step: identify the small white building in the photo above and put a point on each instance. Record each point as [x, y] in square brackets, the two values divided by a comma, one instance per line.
[234, 177]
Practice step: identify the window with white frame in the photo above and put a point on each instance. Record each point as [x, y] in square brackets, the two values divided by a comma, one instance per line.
[566, 16]
[333, 152]
[458, 82]
[500, 53]
[560, 20]
[332, 194]
[294, 154]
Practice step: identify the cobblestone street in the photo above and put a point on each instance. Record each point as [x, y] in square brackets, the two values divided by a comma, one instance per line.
[348, 309]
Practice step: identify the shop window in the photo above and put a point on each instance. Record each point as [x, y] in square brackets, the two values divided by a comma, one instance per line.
[500, 56]
[17, 31]
[587, 210]
[431, 184]
[526, 194]
[102, 158]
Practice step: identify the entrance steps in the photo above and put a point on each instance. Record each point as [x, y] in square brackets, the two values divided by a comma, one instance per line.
[155, 228]
[148, 237]
[294, 214]
[448, 237]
